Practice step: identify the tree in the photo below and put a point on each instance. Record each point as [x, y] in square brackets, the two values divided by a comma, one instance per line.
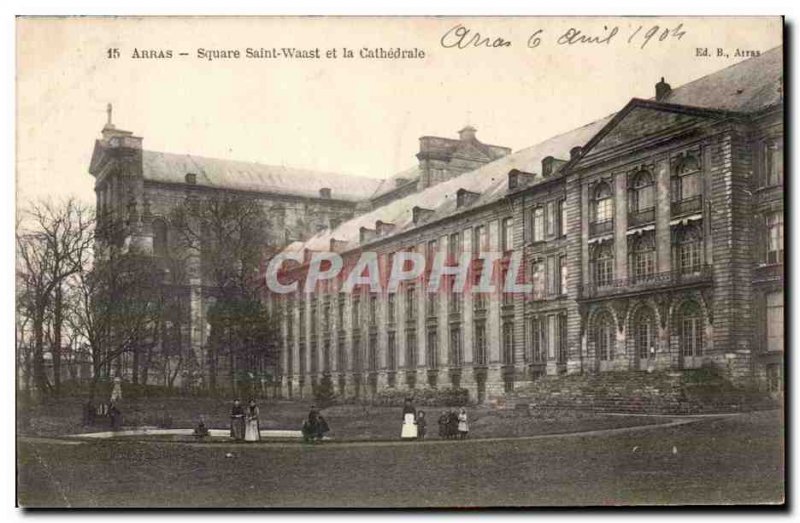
[53, 245]
[224, 238]
[116, 306]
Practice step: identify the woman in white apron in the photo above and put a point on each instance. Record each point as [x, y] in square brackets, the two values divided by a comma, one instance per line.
[251, 432]
[409, 430]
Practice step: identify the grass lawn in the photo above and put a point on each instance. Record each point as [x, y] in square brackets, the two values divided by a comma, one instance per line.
[348, 422]
[737, 459]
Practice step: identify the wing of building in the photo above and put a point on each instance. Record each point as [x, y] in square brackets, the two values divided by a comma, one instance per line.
[652, 240]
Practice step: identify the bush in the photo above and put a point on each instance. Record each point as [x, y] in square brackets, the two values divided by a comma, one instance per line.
[324, 395]
[450, 397]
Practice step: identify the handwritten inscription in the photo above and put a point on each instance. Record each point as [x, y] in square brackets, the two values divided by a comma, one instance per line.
[463, 37]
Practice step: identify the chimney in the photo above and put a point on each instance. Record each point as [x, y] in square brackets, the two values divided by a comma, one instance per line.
[662, 90]
[191, 178]
[575, 152]
[325, 193]
[400, 181]
[467, 134]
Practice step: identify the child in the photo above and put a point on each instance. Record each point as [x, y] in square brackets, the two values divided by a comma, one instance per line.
[201, 431]
[421, 424]
[463, 427]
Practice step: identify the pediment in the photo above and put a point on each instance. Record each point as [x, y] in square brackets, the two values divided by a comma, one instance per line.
[643, 121]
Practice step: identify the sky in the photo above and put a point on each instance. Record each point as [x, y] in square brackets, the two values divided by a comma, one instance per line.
[349, 115]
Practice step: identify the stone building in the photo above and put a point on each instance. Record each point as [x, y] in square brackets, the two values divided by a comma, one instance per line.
[652, 239]
[143, 187]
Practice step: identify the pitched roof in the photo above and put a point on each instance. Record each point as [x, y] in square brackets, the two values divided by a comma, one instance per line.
[389, 184]
[748, 86]
[248, 176]
[491, 180]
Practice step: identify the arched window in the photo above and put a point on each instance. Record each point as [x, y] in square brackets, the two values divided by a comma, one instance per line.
[604, 336]
[602, 203]
[641, 195]
[159, 237]
[643, 257]
[644, 333]
[689, 322]
[689, 250]
[603, 261]
[687, 180]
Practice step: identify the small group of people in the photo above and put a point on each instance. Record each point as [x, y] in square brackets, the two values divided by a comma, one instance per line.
[244, 421]
[314, 427]
[452, 425]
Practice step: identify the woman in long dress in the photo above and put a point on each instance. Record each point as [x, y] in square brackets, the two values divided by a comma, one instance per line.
[463, 426]
[237, 421]
[251, 432]
[409, 430]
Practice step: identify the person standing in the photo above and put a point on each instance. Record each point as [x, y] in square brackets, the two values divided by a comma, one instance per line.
[443, 425]
[421, 425]
[409, 429]
[463, 426]
[251, 432]
[237, 421]
[452, 424]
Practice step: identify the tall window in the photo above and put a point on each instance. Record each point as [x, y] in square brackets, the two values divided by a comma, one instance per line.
[314, 356]
[551, 218]
[455, 297]
[326, 356]
[687, 182]
[356, 312]
[690, 329]
[508, 343]
[561, 350]
[480, 343]
[432, 303]
[775, 321]
[391, 351]
[603, 261]
[643, 257]
[562, 217]
[159, 237]
[538, 224]
[604, 336]
[454, 246]
[357, 359]
[479, 239]
[538, 340]
[391, 304]
[644, 333]
[602, 204]
[456, 352]
[433, 348]
[341, 363]
[562, 276]
[340, 311]
[641, 195]
[411, 303]
[690, 250]
[411, 348]
[773, 162]
[537, 279]
[775, 237]
[508, 234]
[372, 357]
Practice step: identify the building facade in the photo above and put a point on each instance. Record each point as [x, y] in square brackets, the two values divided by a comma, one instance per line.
[651, 239]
